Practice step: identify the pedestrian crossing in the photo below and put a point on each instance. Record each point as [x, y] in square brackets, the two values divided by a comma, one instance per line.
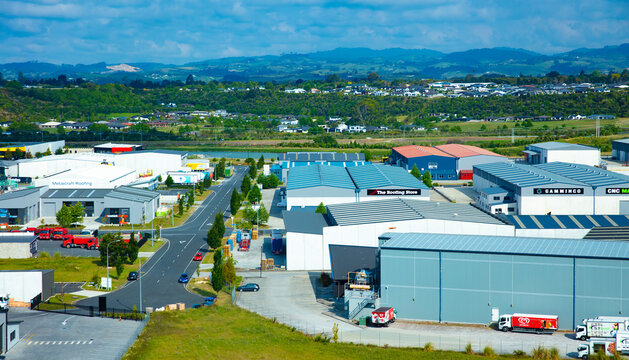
[59, 342]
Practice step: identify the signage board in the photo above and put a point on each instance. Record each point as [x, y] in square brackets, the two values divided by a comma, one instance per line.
[558, 191]
[394, 192]
[617, 191]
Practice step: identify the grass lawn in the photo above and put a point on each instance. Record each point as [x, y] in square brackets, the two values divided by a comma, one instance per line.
[70, 269]
[56, 302]
[223, 331]
[164, 222]
[147, 247]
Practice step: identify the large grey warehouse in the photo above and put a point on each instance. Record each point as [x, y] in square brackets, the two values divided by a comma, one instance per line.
[461, 278]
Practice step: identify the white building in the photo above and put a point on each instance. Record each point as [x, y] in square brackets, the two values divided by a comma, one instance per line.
[17, 245]
[557, 151]
[308, 235]
[92, 177]
[23, 285]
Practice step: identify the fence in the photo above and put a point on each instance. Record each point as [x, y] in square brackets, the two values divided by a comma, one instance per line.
[91, 311]
[447, 339]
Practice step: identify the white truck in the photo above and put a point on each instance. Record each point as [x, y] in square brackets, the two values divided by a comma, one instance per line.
[609, 347]
[4, 302]
[601, 327]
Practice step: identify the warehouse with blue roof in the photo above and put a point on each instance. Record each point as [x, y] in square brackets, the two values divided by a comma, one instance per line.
[314, 184]
[554, 188]
[471, 279]
[289, 160]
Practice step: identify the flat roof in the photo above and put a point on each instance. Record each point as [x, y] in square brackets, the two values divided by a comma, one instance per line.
[18, 193]
[301, 177]
[304, 222]
[397, 209]
[9, 237]
[494, 190]
[566, 221]
[321, 156]
[589, 175]
[411, 151]
[460, 150]
[624, 141]
[523, 175]
[376, 176]
[132, 194]
[508, 245]
[556, 145]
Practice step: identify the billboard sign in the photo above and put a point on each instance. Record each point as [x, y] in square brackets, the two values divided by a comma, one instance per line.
[558, 191]
[394, 192]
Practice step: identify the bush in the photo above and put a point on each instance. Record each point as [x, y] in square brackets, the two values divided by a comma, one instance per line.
[44, 255]
[322, 338]
[554, 353]
[468, 349]
[540, 353]
[488, 351]
[429, 347]
[519, 353]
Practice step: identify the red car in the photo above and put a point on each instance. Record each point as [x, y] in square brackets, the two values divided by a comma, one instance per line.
[198, 257]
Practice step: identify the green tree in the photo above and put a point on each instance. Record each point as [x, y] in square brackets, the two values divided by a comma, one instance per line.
[132, 249]
[260, 216]
[77, 211]
[367, 153]
[245, 186]
[250, 161]
[253, 171]
[234, 202]
[220, 169]
[169, 181]
[64, 216]
[321, 209]
[254, 194]
[181, 206]
[59, 151]
[415, 172]
[427, 179]
[272, 181]
[214, 240]
[218, 281]
[119, 267]
[229, 271]
[190, 198]
[261, 162]
[159, 178]
[219, 222]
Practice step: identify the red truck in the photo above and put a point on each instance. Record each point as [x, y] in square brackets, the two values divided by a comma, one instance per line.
[58, 233]
[82, 241]
[43, 234]
[244, 245]
[528, 323]
[383, 316]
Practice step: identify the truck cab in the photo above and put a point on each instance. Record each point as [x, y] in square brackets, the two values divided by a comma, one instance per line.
[504, 323]
[604, 346]
[4, 302]
[580, 332]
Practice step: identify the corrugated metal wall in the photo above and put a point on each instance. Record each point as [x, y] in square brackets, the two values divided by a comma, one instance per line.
[464, 287]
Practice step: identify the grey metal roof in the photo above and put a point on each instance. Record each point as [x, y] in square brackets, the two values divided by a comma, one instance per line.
[304, 222]
[158, 151]
[76, 193]
[348, 258]
[377, 176]
[589, 175]
[17, 238]
[132, 194]
[494, 190]
[524, 175]
[321, 156]
[301, 177]
[508, 245]
[378, 211]
[555, 145]
[18, 193]
[624, 141]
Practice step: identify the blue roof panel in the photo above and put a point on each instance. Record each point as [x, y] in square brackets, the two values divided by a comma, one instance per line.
[589, 175]
[301, 177]
[508, 245]
[377, 176]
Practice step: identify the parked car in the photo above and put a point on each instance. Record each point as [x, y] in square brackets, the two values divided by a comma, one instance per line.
[183, 279]
[198, 257]
[132, 276]
[248, 287]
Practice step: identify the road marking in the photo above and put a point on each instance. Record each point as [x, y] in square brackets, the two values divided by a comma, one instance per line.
[91, 341]
[54, 342]
[64, 322]
[65, 342]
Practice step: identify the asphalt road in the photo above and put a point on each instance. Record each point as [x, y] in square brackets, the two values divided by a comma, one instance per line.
[162, 270]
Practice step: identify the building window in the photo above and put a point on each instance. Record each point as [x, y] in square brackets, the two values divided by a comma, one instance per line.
[496, 197]
[12, 337]
[498, 211]
[432, 165]
[440, 176]
[511, 210]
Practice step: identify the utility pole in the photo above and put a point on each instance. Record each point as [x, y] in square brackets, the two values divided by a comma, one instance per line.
[512, 135]
[140, 276]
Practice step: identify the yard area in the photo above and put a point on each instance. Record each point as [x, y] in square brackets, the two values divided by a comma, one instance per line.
[164, 222]
[239, 334]
[71, 269]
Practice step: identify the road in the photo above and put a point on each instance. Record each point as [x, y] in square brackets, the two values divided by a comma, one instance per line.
[162, 270]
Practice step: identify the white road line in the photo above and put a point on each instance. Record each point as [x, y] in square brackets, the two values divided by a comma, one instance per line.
[91, 341]
[64, 322]
[65, 342]
[47, 342]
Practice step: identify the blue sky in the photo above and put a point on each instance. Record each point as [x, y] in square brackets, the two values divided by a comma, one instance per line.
[180, 31]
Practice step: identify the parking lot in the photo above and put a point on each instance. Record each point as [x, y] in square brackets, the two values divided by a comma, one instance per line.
[296, 299]
[259, 249]
[46, 335]
[53, 246]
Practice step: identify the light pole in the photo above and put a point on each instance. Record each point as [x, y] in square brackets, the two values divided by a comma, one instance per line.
[111, 242]
[259, 235]
[140, 276]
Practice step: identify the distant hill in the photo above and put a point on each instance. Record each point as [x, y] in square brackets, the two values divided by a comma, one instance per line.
[346, 62]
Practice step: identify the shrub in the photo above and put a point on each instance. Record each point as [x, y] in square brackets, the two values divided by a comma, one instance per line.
[322, 338]
[519, 353]
[57, 255]
[429, 347]
[488, 351]
[335, 332]
[554, 354]
[44, 255]
[540, 353]
[468, 349]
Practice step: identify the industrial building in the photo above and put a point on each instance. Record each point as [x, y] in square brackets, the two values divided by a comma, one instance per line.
[620, 150]
[131, 205]
[110, 148]
[90, 177]
[91, 199]
[315, 184]
[17, 245]
[444, 162]
[24, 285]
[562, 152]
[290, 160]
[467, 278]
[308, 235]
[555, 188]
[9, 332]
[20, 206]
[32, 148]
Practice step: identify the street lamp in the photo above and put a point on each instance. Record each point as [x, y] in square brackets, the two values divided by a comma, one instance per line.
[140, 276]
[111, 242]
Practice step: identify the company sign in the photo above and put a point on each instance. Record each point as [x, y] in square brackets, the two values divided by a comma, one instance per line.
[394, 192]
[71, 183]
[617, 191]
[558, 191]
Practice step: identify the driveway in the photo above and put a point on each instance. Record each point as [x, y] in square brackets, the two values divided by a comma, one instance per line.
[296, 299]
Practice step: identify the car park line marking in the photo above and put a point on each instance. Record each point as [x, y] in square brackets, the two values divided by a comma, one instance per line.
[91, 341]
[65, 342]
[64, 322]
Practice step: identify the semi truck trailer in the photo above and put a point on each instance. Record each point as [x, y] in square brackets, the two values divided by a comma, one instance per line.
[528, 323]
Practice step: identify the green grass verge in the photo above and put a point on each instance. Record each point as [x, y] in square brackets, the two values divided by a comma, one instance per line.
[57, 302]
[70, 269]
[147, 247]
[228, 332]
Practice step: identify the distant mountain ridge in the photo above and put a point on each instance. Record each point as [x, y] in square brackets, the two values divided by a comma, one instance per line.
[347, 63]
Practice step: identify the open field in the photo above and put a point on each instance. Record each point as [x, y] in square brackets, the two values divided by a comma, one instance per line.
[70, 269]
[228, 332]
